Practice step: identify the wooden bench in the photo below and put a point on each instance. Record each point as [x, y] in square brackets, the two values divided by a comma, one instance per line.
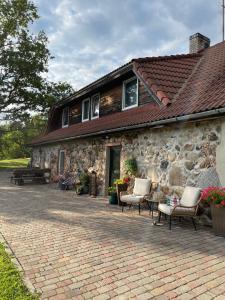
[19, 176]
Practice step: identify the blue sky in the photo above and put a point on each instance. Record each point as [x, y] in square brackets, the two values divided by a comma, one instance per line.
[89, 38]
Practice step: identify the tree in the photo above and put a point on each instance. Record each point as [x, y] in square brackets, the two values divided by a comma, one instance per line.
[15, 136]
[24, 60]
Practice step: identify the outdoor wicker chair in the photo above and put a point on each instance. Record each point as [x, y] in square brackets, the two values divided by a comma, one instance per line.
[187, 207]
[140, 192]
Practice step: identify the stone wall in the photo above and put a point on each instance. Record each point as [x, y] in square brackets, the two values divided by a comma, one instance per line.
[173, 156]
[80, 155]
[220, 155]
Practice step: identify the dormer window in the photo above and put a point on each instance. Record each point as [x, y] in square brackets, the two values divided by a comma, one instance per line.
[130, 93]
[85, 110]
[95, 100]
[65, 117]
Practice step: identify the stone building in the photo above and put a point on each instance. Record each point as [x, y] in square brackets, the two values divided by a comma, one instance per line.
[167, 112]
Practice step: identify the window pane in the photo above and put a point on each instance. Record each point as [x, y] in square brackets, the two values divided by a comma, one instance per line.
[65, 116]
[86, 110]
[131, 93]
[95, 106]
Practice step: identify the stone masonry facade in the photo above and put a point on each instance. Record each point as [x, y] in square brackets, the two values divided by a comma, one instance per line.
[174, 155]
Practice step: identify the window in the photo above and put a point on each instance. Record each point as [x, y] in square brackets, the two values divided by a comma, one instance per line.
[65, 117]
[95, 106]
[61, 161]
[130, 93]
[85, 110]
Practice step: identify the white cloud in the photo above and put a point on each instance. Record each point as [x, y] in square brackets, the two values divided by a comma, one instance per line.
[91, 37]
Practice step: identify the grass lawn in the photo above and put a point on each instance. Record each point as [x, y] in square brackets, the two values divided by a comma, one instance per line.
[11, 283]
[14, 163]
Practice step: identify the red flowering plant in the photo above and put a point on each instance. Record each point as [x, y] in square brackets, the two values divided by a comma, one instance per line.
[126, 180]
[214, 195]
[122, 181]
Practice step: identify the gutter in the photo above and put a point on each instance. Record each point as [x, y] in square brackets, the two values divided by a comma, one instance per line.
[191, 117]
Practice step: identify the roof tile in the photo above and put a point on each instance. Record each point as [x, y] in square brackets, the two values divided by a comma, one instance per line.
[189, 83]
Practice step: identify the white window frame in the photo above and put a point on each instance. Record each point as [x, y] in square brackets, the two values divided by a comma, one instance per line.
[63, 112]
[85, 100]
[96, 117]
[123, 96]
[59, 162]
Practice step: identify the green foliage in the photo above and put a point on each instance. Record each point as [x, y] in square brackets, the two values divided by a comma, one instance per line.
[131, 166]
[16, 135]
[24, 60]
[84, 179]
[83, 187]
[112, 190]
[11, 283]
[14, 163]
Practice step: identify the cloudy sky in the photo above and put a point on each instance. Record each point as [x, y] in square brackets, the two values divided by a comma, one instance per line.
[89, 38]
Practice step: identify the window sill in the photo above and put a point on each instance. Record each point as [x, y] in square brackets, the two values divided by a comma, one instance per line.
[85, 120]
[93, 118]
[129, 107]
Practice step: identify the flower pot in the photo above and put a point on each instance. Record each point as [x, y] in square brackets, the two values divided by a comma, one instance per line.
[113, 199]
[122, 186]
[218, 220]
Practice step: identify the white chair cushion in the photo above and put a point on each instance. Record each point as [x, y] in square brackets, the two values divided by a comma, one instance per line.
[179, 211]
[190, 196]
[166, 209]
[142, 186]
[131, 198]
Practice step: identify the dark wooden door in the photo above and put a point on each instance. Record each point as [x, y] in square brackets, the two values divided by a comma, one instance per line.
[114, 166]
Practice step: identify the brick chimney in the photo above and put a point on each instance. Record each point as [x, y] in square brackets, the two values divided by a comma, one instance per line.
[198, 42]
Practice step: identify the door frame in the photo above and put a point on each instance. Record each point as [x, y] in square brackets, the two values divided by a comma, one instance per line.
[107, 164]
[59, 160]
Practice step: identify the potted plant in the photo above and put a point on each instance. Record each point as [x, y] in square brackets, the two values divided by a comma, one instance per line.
[125, 180]
[113, 195]
[215, 197]
[122, 183]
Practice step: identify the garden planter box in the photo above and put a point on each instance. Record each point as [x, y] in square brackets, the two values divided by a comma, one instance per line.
[218, 220]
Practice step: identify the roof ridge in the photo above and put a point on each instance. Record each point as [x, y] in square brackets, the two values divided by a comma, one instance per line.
[187, 80]
[213, 46]
[166, 57]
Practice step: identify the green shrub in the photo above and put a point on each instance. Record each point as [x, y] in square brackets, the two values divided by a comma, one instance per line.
[84, 179]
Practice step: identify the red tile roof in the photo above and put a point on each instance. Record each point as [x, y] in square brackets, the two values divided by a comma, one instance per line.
[166, 75]
[186, 84]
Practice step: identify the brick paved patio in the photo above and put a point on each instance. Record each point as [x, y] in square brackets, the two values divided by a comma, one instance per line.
[80, 248]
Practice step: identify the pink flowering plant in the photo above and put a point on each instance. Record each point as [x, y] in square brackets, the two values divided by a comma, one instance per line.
[214, 195]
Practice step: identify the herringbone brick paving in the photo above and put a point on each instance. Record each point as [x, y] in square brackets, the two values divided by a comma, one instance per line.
[81, 248]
